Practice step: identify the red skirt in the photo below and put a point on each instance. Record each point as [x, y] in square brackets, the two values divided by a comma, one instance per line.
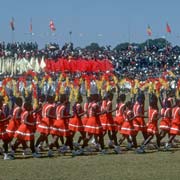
[165, 124]
[118, 121]
[93, 126]
[12, 127]
[139, 124]
[75, 124]
[38, 120]
[107, 122]
[84, 121]
[3, 133]
[25, 132]
[45, 125]
[175, 128]
[152, 128]
[60, 128]
[127, 128]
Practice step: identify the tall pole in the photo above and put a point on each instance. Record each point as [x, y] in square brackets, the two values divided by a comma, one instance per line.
[31, 30]
[12, 29]
[12, 36]
[129, 34]
[70, 36]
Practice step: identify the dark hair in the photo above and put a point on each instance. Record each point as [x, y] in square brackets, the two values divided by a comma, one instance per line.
[50, 99]
[28, 106]
[110, 95]
[129, 104]
[19, 101]
[153, 103]
[63, 98]
[141, 98]
[153, 99]
[168, 104]
[121, 98]
[42, 98]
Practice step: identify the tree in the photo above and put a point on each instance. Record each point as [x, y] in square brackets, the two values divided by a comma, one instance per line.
[122, 46]
[93, 47]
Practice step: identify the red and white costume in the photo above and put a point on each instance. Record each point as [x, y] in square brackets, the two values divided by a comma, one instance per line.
[152, 125]
[75, 123]
[60, 125]
[3, 125]
[138, 122]
[127, 126]
[93, 124]
[166, 119]
[15, 122]
[119, 118]
[26, 131]
[46, 122]
[175, 124]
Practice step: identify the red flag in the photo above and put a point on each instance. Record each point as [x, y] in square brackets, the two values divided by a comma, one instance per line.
[149, 31]
[12, 24]
[168, 28]
[30, 26]
[52, 26]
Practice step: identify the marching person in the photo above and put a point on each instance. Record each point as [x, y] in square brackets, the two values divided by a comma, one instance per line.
[127, 129]
[26, 130]
[152, 125]
[175, 124]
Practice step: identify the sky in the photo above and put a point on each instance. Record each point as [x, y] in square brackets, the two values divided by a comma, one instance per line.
[107, 22]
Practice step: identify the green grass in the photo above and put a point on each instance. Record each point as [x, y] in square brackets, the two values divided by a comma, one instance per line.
[128, 166]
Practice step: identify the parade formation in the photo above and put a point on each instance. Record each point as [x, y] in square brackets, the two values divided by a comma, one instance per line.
[68, 101]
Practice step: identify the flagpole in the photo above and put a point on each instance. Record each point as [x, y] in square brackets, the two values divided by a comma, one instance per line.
[70, 36]
[149, 33]
[31, 38]
[12, 36]
[31, 30]
[12, 29]
[166, 41]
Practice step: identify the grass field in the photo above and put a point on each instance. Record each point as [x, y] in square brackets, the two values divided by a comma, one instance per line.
[126, 166]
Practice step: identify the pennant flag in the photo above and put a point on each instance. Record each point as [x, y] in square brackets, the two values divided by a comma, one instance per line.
[168, 28]
[12, 24]
[149, 31]
[30, 26]
[52, 26]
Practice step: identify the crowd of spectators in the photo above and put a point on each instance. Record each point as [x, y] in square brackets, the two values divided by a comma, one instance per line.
[132, 61]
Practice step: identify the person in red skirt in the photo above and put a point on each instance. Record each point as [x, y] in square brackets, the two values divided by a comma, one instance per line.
[93, 125]
[38, 116]
[14, 124]
[26, 130]
[166, 114]
[110, 124]
[127, 129]
[60, 127]
[3, 134]
[103, 117]
[175, 124]
[15, 121]
[119, 117]
[120, 107]
[48, 117]
[86, 108]
[75, 123]
[138, 109]
[152, 125]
